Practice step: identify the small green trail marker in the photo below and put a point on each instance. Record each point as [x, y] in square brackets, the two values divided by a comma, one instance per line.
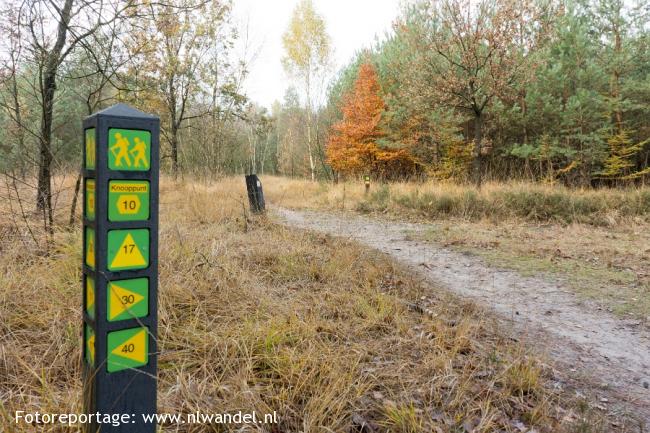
[89, 339]
[90, 248]
[128, 200]
[127, 348]
[128, 249]
[90, 199]
[127, 299]
[90, 297]
[120, 267]
[129, 150]
[90, 149]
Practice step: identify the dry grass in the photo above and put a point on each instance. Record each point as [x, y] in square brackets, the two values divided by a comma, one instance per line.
[254, 316]
[495, 201]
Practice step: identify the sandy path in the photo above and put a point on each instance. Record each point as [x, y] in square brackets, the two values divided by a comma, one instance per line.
[582, 339]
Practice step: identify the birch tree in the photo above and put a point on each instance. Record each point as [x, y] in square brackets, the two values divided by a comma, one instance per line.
[307, 57]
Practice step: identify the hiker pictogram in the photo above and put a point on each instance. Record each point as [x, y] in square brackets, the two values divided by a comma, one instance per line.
[120, 150]
[129, 150]
[139, 153]
[90, 148]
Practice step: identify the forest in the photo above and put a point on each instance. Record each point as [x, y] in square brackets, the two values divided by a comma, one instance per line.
[541, 91]
[538, 90]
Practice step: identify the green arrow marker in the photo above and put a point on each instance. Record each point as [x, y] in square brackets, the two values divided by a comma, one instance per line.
[127, 299]
[128, 348]
[90, 345]
[90, 297]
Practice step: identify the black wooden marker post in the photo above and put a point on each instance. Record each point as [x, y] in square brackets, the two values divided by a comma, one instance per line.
[255, 193]
[120, 267]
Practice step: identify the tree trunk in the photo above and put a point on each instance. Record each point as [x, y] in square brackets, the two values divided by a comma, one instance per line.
[48, 89]
[44, 189]
[478, 158]
[321, 155]
[174, 146]
[616, 79]
[312, 167]
[19, 126]
[173, 124]
[524, 112]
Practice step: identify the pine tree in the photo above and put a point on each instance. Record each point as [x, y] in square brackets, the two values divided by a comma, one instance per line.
[621, 162]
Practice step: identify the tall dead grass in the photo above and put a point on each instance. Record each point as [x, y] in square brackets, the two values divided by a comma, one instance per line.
[256, 317]
[496, 201]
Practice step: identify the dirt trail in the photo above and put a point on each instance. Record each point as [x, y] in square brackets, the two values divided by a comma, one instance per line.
[581, 339]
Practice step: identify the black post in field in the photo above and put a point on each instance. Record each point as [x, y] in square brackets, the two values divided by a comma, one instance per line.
[255, 193]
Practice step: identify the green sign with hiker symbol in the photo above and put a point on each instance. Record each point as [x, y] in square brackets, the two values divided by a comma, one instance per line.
[129, 150]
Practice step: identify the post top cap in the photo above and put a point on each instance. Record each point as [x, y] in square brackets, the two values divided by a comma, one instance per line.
[124, 110]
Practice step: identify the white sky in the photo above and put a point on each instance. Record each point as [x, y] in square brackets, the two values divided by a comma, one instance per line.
[351, 24]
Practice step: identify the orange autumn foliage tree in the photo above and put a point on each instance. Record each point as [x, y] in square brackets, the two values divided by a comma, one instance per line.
[353, 145]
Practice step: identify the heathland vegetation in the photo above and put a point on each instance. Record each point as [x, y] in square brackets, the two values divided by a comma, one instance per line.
[254, 316]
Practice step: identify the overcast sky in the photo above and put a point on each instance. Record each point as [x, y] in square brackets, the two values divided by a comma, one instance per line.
[352, 25]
